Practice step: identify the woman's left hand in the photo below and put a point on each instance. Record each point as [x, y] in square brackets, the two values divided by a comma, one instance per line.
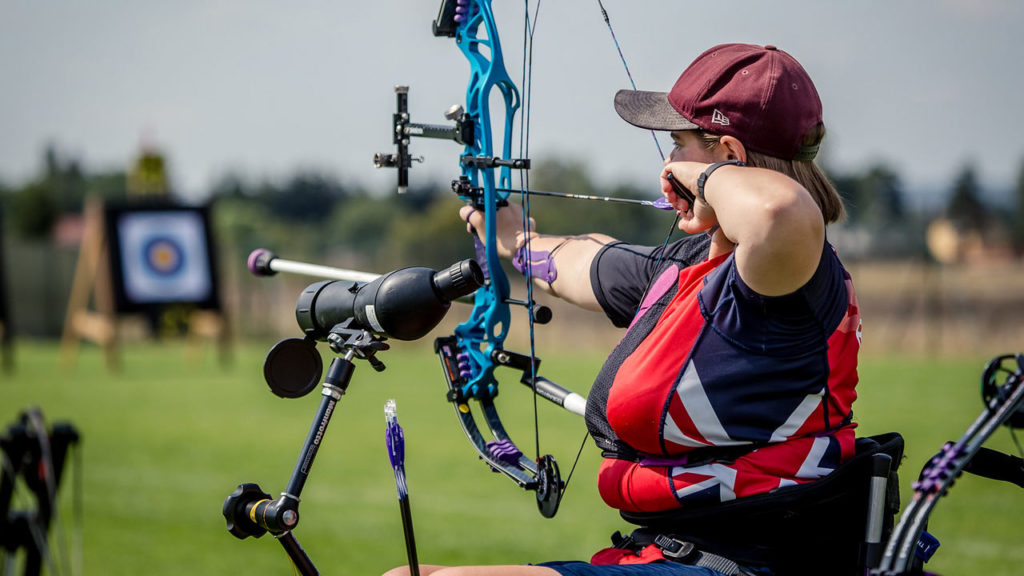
[509, 233]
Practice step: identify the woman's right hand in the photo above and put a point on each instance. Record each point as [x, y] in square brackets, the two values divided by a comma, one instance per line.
[693, 218]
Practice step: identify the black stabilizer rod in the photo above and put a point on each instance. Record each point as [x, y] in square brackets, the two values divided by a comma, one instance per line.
[995, 465]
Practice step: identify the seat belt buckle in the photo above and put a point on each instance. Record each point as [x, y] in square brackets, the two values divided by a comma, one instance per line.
[678, 550]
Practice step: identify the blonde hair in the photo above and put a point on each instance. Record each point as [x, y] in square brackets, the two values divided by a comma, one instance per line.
[806, 172]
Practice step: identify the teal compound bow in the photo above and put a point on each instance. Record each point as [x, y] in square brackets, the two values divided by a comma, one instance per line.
[471, 356]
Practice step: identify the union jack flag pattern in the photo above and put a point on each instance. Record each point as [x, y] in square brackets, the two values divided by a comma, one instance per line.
[731, 393]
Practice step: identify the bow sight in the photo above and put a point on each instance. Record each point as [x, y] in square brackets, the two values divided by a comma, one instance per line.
[462, 132]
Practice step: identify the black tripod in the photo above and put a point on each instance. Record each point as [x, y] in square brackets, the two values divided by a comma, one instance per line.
[249, 510]
[354, 319]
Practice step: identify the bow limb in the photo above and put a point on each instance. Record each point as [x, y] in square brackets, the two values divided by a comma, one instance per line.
[541, 476]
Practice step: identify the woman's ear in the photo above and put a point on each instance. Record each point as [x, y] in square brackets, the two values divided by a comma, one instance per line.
[730, 148]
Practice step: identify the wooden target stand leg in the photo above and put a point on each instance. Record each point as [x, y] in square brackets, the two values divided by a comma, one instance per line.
[92, 283]
[205, 325]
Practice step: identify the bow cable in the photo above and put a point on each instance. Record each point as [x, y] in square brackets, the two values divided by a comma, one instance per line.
[525, 192]
[529, 27]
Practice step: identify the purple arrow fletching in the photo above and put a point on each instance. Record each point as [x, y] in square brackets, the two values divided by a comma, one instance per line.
[662, 204]
[394, 437]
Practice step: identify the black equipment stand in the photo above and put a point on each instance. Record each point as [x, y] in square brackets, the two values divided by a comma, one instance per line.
[249, 510]
[37, 456]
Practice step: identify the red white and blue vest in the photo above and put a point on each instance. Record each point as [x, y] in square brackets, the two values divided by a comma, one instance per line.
[716, 392]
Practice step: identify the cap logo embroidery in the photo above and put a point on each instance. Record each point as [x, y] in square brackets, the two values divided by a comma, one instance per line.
[719, 118]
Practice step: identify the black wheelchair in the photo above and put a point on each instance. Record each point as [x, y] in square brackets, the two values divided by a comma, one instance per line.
[835, 525]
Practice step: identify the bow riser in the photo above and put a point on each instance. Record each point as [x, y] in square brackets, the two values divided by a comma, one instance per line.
[477, 349]
[485, 332]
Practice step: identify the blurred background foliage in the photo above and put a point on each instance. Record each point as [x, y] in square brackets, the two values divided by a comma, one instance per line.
[322, 218]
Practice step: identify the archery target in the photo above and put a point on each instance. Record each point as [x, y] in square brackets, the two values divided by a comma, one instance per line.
[164, 257]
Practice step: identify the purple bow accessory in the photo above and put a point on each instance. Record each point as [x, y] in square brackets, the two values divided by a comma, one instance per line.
[541, 264]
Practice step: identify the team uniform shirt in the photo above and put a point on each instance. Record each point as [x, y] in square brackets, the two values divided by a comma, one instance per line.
[716, 392]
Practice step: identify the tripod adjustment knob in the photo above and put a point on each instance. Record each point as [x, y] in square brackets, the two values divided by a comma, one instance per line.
[236, 511]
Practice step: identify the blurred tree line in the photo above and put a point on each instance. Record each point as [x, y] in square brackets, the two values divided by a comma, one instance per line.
[317, 217]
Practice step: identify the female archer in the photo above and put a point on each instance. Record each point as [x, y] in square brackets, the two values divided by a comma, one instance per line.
[736, 375]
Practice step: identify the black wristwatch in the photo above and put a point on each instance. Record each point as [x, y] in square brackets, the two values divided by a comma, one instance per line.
[704, 176]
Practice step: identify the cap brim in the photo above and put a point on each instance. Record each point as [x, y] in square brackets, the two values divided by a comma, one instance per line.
[650, 110]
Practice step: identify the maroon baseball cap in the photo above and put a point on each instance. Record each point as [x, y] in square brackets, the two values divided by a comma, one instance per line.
[758, 94]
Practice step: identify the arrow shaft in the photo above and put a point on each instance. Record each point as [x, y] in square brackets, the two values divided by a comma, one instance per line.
[566, 195]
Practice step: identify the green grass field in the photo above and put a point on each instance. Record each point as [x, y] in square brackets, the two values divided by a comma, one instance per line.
[165, 440]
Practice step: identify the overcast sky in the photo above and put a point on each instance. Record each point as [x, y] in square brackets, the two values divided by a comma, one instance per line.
[269, 88]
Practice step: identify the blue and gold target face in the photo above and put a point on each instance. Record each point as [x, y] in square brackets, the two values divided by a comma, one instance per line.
[164, 257]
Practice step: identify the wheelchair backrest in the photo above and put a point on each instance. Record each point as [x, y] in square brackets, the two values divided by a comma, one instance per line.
[814, 528]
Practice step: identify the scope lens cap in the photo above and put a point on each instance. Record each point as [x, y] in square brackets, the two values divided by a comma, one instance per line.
[293, 367]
